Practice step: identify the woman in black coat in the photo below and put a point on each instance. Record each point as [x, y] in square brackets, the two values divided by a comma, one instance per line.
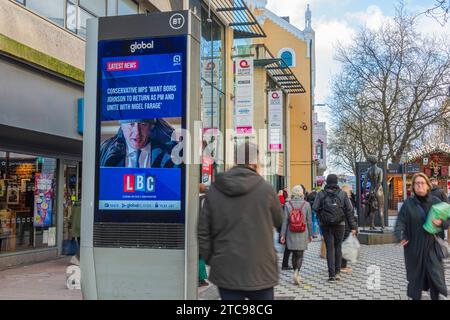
[423, 256]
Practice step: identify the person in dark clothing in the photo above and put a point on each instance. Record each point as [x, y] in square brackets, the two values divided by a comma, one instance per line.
[423, 255]
[334, 233]
[311, 197]
[235, 231]
[437, 192]
[344, 265]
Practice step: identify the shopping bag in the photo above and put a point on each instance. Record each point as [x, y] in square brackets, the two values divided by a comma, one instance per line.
[350, 249]
[438, 211]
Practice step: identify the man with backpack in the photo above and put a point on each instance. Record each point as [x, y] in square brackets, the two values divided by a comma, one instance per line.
[333, 209]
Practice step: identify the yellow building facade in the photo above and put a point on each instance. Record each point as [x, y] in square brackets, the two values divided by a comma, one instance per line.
[287, 42]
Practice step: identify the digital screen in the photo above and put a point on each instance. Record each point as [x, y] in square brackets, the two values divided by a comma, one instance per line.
[141, 110]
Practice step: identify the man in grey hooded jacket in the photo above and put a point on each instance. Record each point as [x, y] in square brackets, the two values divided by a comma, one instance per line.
[236, 231]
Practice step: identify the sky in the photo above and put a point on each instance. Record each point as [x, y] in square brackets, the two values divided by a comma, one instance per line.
[338, 21]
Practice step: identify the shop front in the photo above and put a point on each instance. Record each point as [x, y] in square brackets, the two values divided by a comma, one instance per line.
[40, 162]
[432, 160]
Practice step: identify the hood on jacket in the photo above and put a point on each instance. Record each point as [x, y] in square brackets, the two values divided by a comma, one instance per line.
[237, 181]
[333, 188]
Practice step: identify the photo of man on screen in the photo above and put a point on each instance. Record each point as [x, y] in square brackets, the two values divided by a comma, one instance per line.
[139, 143]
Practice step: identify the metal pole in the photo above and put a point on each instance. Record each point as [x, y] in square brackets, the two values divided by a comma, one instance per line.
[404, 187]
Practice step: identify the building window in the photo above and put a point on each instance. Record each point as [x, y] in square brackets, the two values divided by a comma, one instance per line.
[71, 20]
[288, 56]
[82, 22]
[212, 46]
[51, 9]
[127, 7]
[97, 7]
[78, 11]
[27, 202]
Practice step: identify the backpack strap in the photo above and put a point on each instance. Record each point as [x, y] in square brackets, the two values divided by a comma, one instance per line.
[302, 206]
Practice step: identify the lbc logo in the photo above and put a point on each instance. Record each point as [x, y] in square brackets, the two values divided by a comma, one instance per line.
[138, 183]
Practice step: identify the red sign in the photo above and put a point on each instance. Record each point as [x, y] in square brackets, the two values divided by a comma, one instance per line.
[244, 64]
[122, 65]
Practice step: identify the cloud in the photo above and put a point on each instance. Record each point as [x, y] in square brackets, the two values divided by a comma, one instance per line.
[373, 18]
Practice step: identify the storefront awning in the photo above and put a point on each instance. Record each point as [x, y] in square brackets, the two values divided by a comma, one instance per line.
[238, 16]
[278, 70]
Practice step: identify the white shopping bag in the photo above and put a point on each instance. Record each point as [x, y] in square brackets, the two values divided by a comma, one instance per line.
[350, 249]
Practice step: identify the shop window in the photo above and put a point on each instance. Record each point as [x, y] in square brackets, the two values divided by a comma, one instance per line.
[51, 9]
[212, 96]
[27, 202]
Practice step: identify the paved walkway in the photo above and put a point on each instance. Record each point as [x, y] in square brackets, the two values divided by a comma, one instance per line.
[46, 281]
[362, 284]
[40, 281]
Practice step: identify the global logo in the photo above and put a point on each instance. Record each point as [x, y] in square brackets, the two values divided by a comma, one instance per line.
[177, 60]
[275, 95]
[138, 46]
[244, 64]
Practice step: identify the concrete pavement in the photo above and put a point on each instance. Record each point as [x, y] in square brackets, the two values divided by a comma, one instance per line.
[378, 275]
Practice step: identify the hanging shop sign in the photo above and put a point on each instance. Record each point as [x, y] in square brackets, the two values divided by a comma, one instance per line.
[275, 121]
[211, 70]
[243, 117]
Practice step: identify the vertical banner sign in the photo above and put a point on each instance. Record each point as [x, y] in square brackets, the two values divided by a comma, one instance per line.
[210, 96]
[448, 187]
[275, 121]
[43, 200]
[244, 97]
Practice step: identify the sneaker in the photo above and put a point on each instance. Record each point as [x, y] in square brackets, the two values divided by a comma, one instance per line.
[331, 279]
[287, 268]
[338, 277]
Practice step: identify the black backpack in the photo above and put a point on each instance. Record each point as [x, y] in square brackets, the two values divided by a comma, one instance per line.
[331, 213]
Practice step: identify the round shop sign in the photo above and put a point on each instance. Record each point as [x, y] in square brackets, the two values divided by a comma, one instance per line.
[176, 21]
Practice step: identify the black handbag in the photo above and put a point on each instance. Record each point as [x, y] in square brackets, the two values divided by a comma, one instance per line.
[443, 247]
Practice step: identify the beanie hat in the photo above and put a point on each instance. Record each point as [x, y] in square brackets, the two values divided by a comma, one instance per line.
[332, 179]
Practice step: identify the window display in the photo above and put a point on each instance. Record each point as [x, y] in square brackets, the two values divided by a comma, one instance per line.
[27, 202]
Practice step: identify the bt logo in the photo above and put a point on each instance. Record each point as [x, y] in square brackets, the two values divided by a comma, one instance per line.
[138, 183]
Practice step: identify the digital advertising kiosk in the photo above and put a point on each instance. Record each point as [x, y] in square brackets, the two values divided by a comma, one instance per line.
[140, 202]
